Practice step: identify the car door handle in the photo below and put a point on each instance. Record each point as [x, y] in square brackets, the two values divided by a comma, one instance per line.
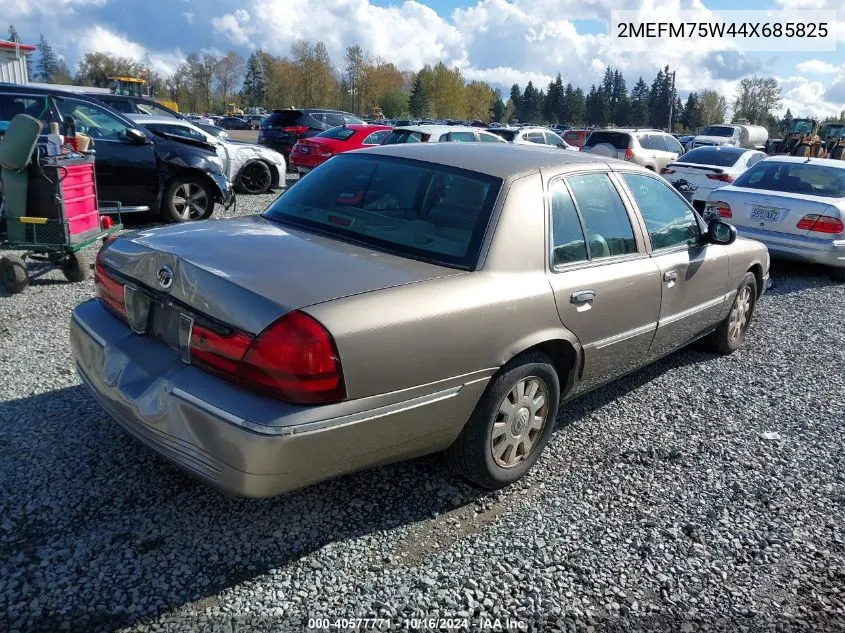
[582, 296]
[670, 275]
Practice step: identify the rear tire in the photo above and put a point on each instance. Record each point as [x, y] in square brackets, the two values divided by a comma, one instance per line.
[76, 267]
[13, 274]
[186, 199]
[510, 425]
[728, 337]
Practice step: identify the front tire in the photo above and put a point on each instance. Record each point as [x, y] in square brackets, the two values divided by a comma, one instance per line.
[728, 337]
[187, 199]
[511, 423]
[254, 178]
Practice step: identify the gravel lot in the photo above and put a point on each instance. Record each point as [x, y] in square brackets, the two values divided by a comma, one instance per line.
[702, 493]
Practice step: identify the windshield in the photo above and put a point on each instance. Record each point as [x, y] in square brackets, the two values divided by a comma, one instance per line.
[806, 178]
[415, 209]
[717, 130]
[801, 126]
[340, 133]
[717, 156]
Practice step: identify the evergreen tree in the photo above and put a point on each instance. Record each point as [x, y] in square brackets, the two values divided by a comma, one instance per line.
[255, 82]
[418, 102]
[660, 97]
[592, 111]
[787, 120]
[677, 113]
[619, 103]
[639, 108]
[691, 118]
[498, 108]
[530, 105]
[516, 100]
[553, 104]
[48, 63]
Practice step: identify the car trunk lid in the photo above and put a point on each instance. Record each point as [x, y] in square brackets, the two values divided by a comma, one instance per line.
[248, 272]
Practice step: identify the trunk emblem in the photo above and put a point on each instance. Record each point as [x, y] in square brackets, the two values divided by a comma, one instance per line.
[165, 277]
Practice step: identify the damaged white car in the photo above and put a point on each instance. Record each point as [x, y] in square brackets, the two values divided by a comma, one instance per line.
[251, 168]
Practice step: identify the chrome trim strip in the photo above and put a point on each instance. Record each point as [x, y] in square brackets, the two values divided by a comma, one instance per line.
[694, 310]
[618, 338]
[319, 425]
[99, 339]
[758, 234]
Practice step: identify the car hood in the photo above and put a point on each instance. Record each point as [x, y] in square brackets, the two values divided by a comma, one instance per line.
[247, 272]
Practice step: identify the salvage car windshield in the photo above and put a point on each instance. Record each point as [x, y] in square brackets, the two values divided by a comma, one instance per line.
[410, 208]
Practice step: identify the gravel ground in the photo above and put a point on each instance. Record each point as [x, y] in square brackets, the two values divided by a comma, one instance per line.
[701, 493]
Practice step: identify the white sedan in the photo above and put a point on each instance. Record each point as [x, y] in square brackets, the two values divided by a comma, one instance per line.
[794, 205]
[251, 168]
[709, 168]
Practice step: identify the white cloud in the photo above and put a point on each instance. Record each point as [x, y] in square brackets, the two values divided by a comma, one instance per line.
[818, 67]
[107, 41]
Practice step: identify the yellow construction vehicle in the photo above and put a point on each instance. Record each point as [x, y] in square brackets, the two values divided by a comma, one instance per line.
[833, 139]
[232, 109]
[137, 87]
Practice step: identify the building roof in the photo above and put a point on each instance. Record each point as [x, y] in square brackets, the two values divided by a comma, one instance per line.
[13, 45]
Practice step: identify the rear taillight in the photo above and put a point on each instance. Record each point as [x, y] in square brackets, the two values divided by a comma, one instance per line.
[109, 289]
[629, 154]
[295, 129]
[821, 224]
[666, 170]
[722, 208]
[721, 177]
[295, 359]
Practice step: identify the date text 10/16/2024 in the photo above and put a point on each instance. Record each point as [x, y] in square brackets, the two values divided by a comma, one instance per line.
[419, 624]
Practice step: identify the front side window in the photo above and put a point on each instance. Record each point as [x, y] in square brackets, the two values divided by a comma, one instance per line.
[535, 137]
[459, 137]
[410, 208]
[484, 137]
[402, 136]
[567, 237]
[553, 139]
[668, 219]
[93, 120]
[35, 106]
[606, 222]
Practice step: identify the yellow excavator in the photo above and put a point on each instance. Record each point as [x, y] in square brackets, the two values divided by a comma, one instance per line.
[137, 87]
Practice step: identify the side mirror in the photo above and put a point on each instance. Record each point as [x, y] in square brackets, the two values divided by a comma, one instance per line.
[719, 232]
[136, 136]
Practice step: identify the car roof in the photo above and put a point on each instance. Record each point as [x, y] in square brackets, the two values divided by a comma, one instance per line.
[428, 128]
[157, 118]
[824, 162]
[496, 159]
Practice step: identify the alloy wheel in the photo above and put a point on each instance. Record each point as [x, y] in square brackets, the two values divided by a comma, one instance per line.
[255, 177]
[740, 312]
[190, 201]
[519, 422]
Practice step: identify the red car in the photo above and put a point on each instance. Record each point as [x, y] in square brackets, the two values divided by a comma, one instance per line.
[308, 153]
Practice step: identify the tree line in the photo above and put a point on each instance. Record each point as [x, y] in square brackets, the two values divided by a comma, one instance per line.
[308, 77]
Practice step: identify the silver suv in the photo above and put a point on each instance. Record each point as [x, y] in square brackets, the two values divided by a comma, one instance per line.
[652, 149]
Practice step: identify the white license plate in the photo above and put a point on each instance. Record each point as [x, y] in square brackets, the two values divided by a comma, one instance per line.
[292, 175]
[768, 214]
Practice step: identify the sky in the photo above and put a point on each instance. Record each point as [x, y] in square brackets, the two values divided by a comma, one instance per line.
[498, 41]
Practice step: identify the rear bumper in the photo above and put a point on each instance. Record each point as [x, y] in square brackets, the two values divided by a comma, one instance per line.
[276, 144]
[245, 444]
[827, 252]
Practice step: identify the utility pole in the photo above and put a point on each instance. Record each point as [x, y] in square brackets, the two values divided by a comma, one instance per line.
[671, 101]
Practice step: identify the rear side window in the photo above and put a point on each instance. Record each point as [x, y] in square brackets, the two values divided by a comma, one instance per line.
[645, 141]
[338, 133]
[121, 106]
[619, 140]
[567, 237]
[411, 208]
[403, 136]
[535, 137]
[376, 137]
[34, 106]
[333, 118]
[458, 137]
[606, 222]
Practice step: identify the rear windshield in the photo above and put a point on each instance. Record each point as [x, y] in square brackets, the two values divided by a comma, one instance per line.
[718, 156]
[340, 133]
[283, 118]
[414, 209]
[619, 140]
[717, 130]
[508, 135]
[404, 136]
[806, 178]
